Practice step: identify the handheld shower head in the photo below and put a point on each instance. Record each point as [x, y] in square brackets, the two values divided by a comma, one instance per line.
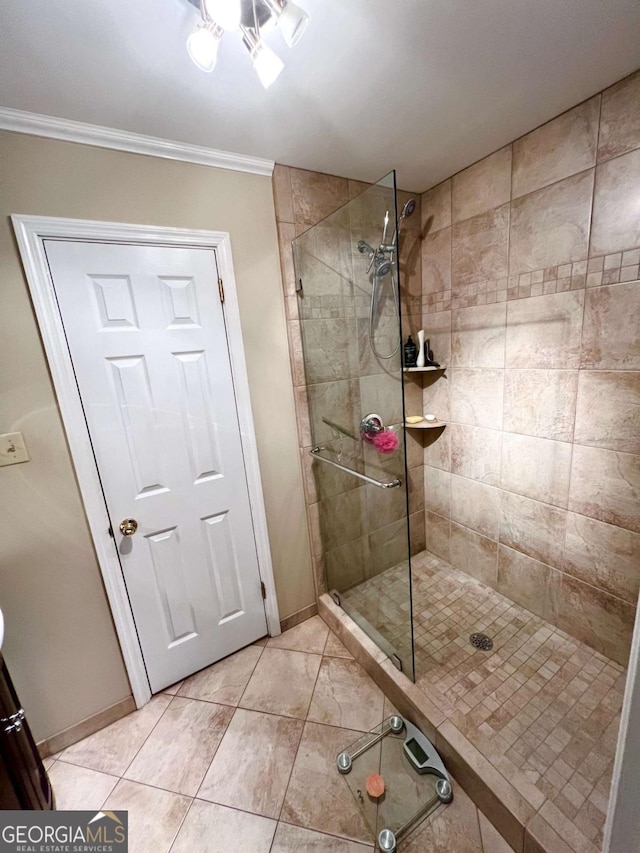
[382, 267]
[408, 209]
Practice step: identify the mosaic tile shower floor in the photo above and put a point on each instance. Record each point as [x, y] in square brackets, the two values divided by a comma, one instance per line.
[543, 707]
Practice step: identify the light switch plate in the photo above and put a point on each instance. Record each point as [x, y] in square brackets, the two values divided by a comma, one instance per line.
[12, 449]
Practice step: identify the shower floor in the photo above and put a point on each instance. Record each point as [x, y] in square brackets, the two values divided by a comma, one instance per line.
[542, 707]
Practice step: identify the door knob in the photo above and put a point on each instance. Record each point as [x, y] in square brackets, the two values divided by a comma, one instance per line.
[128, 526]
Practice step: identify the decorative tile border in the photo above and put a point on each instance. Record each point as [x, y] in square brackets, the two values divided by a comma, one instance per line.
[592, 272]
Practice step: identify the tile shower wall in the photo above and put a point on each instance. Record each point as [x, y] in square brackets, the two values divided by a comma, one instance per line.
[531, 296]
[347, 535]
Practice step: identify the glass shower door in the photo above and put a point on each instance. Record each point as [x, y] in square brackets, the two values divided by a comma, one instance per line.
[351, 337]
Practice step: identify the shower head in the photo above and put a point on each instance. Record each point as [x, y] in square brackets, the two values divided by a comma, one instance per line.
[408, 209]
[382, 267]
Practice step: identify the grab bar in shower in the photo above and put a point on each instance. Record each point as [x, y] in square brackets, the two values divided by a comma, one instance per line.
[381, 484]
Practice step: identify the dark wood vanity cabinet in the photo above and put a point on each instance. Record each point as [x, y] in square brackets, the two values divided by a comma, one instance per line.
[24, 783]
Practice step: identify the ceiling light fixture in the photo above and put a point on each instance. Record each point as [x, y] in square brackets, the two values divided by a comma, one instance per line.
[250, 17]
[203, 46]
[226, 13]
[291, 19]
[266, 63]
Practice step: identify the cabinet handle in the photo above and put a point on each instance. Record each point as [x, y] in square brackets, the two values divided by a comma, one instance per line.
[15, 722]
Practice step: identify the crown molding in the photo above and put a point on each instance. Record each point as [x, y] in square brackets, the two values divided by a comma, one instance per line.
[34, 124]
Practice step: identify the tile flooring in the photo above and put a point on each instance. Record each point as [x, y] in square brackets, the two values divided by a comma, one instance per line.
[541, 706]
[241, 756]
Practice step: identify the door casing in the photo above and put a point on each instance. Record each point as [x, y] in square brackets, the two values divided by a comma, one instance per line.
[31, 231]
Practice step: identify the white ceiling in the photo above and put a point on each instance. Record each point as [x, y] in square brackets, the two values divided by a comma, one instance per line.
[423, 86]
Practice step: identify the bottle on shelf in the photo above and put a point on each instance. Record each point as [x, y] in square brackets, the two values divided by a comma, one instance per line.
[420, 360]
[428, 358]
[410, 353]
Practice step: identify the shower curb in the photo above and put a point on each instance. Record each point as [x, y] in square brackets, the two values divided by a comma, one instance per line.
[520, 819]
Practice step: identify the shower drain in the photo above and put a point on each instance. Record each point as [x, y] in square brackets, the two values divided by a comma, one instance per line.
[481, 641]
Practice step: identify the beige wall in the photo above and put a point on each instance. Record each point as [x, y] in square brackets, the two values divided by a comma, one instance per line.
[531, 292]
[60, 643]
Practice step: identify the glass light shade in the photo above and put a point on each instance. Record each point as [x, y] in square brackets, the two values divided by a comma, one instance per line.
[203, 48]
[292, 21]
[226, 13]
[267, 64]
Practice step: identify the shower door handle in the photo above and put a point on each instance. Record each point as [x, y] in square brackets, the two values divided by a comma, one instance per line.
[381, 484]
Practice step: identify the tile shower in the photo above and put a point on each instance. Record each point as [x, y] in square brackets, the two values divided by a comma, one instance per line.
[527, 503]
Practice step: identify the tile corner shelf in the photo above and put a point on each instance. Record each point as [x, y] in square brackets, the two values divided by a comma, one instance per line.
[421, 369]
[426, 425]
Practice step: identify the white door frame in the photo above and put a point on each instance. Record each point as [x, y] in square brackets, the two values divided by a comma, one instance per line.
[31, 231]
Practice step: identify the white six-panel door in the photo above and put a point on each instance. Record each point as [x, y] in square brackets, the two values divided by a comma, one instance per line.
[146, 333]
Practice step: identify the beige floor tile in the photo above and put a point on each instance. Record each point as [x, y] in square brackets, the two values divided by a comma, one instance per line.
[155, 816]
[55, 756]
[318, 797]
[251, 768]
[346, 696]
[178, 752]
[210, 827]
[174, 688]
[389, 709]
[335, 648]
[492, 841]
[308, 636]
[49, 761]
[225, 681]
[79, 788]
[451, 827]
[112, 749]
[282, 683]
[295, 839]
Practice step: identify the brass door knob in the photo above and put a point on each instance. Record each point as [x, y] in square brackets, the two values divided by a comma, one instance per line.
[128, 526]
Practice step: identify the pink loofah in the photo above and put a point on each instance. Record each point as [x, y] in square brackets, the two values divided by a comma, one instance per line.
[385, 441]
